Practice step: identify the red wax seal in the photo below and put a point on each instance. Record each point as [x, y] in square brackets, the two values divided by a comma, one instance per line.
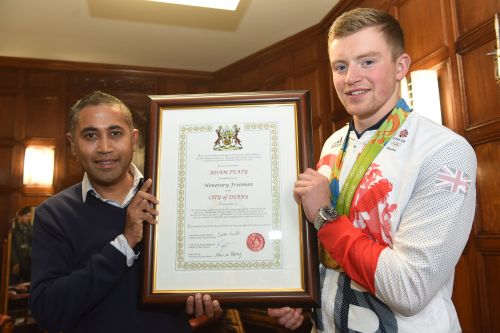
[255, 242]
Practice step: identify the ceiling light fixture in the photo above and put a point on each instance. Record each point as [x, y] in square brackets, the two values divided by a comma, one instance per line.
[216, 4]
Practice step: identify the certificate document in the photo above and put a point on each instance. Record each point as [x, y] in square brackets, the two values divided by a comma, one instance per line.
[228, 220]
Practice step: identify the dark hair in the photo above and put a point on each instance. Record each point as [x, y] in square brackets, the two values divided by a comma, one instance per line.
[96, 98]
[360, 18]
[24, 211]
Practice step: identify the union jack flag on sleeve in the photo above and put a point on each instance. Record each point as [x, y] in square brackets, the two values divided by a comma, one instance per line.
[453, 180]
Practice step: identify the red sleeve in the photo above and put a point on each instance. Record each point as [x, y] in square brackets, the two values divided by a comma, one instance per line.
[353, 250]
[326, 160]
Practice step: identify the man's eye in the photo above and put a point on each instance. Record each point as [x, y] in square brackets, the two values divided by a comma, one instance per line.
[116, 133]
[368, 62]
[90, 136]
[340, 68]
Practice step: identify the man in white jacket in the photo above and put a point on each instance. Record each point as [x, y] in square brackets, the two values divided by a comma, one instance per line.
[393, 197]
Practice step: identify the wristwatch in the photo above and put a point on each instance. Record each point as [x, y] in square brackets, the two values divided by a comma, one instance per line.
[325, 215]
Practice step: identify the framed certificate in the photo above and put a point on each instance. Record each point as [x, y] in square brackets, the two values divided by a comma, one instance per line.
[223, 168]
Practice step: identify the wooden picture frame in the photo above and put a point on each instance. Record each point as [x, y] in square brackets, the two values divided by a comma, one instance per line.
[223, 168]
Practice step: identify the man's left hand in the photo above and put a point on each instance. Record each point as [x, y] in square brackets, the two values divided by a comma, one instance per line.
[199, 305]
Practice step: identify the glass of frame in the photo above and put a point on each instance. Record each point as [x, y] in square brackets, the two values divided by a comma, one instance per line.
[223, 168]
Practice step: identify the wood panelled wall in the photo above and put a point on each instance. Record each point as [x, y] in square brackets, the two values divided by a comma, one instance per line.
[35, 97]
[300, 62]
[451, 36]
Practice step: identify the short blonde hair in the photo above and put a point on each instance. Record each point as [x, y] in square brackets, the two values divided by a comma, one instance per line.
[360, 18]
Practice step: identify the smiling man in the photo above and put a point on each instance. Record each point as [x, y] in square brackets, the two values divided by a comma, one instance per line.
[86, 261]
[393, 196]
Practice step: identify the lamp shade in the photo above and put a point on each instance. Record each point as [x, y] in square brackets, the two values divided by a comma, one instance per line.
[38, 166]
[425, 94]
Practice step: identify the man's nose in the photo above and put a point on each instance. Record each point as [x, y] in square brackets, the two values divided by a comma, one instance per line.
[105, 145]
[352, 75]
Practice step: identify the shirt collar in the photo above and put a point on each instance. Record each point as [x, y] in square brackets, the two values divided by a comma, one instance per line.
[371, 128]
[87, 187]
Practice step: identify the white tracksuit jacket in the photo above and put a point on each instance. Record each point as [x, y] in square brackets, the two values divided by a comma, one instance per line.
[417, 199]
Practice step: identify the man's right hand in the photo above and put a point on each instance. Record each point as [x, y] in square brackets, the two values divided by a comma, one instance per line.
[291, 318]
[141, 209]
[312, 190]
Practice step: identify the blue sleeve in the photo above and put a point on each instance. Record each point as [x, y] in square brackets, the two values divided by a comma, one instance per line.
[62, 293]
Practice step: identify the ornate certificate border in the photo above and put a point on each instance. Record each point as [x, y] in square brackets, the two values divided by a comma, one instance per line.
[272, 128]
[223, 167]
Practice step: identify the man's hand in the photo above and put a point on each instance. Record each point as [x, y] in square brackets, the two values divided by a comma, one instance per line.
[198, 305]
[290, 318]
[312, 190]
[140, 210]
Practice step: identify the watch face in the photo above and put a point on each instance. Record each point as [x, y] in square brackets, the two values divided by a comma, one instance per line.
[325, 215]
[328, 213]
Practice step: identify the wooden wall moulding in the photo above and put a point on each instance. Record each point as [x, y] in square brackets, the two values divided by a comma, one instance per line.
[73, 168]
[252, 78]
[488, 183]
[470, 14]
[283, 83]
[46, 142]
[198, 87]
[8, 115]
[272, 52]
[10, 79]
[483, 133]
[107, 69]
[488, 243]
[432, 59]
[174, 86]
[6, 166]
[380, 4]
[11, 169]
[311, 81]
[465, 291]
[307, 55]
[227, 83]
[117, 84]
[44, 115]
[480, 89]
[43, 82]
[276, 69]
[446, 96]
[419, 16]
[480, 35]
[492, 273]
[36, 191]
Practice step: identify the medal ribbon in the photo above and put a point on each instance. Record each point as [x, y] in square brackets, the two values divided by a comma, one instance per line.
[342, 201]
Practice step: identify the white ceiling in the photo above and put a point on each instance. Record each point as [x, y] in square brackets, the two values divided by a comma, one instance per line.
[142, 33]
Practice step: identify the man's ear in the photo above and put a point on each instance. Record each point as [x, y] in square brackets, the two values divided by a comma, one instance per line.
[403, 65]
[71, 142]
[135, 136]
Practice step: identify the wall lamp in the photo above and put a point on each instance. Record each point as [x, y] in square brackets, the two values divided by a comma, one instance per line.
[422, 94]
[496, 53]
[39, 158]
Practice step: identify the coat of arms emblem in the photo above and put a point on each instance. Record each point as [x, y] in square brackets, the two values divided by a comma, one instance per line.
[227, 138]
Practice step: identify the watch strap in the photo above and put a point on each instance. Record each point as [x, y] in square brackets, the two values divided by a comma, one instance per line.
[325, 215]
